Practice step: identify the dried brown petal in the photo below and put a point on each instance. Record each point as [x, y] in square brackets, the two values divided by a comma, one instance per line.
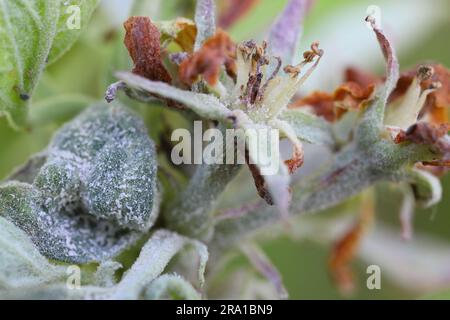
[216, 51]
[346, 247]
[423, 133]
[142, 40]
[233, 10]
[296, 160]
[260, 183]
[321, 102]
[347, 96]
[364, 79]
[438, 102]
[350, 95]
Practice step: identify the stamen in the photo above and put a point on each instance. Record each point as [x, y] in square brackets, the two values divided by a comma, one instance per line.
[259, 59]
[272, 76]
[424, 73]
[308, 57]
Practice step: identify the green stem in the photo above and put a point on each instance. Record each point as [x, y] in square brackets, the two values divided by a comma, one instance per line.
[192, 212]
[351, 172]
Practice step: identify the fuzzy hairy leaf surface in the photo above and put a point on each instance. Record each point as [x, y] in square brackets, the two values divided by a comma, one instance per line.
[308, 127]
[153, 259]
[21, 264]
[204, 105]
[171, 287]
[28, 32]
[96, 192]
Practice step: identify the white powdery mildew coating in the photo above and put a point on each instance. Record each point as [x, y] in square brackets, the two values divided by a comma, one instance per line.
[115, 161]
[96, 192]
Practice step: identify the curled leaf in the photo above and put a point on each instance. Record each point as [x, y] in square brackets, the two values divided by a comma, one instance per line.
[350, 95]
[95, 193]
[375, 115]
[142, 40]
[108, 148]
[153, 259]
[426, 188]
[171, 287]
[392, 66]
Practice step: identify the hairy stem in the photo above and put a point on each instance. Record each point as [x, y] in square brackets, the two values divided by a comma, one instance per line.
[192, 213]
[352, 171]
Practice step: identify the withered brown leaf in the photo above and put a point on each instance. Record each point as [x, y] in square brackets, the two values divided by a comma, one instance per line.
[142, 40]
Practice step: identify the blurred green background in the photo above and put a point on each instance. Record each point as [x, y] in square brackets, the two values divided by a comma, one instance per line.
[419, 31]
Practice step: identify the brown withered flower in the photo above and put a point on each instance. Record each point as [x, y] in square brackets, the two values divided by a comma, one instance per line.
[216, 51]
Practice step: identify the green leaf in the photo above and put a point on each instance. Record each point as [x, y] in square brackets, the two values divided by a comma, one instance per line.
[109, 149]
[308, 127]
[65, 37]
[72, 237]
[171, 287]
[206, 106]
[96, 192]
[21, 264]
[58, 109]
[154, 258]
[28, 31]
[427, 187]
